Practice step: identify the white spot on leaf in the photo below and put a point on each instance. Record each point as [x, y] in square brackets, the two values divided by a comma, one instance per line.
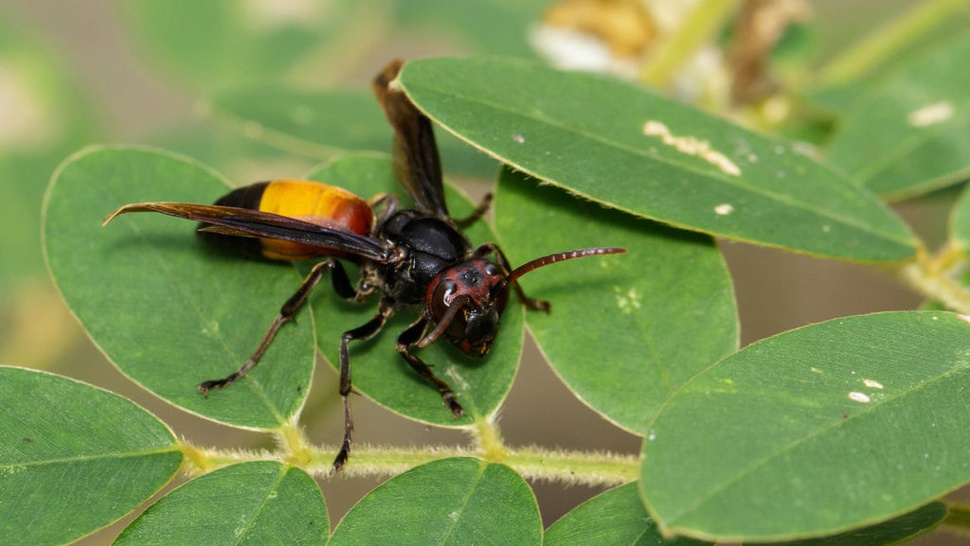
[457, 378]
[519, 138]
[931, 114]
[859, 397]
[807, 150]
[691, 146]
[724, 209]
[872, 384]
[629, 301]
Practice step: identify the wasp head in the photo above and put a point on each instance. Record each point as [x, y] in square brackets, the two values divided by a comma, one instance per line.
[465, 303]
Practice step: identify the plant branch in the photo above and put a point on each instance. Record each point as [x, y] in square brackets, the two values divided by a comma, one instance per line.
[933, 277]
[696, 30]
[488, 440]
[957, 517]
[534, 463]
[876, 48]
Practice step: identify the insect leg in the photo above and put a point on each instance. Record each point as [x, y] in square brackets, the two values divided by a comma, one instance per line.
[341, 284]
[388, 203]
[409, 338]
[367, 331]
[488, 248]
[476, 214]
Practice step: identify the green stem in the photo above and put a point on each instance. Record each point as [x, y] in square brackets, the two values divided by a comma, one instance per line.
[957, 517]
[695, 31]
[932, 276]
[572, 467]
[886, 42]
[488, 439]
[534, 463]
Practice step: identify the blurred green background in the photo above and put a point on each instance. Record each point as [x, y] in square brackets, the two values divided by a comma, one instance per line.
[140, 72]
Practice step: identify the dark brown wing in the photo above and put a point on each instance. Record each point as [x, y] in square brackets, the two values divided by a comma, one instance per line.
[416, 161]
[251, 223]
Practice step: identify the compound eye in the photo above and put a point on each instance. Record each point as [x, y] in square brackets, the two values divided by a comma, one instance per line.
[493, 270]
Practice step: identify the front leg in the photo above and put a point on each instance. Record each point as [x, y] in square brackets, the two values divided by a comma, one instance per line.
[408, 339]
[476, 214]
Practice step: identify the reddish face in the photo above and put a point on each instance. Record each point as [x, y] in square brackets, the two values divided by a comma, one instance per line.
[463, 296]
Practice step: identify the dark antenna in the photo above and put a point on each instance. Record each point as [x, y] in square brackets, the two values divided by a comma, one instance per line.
[551, 259]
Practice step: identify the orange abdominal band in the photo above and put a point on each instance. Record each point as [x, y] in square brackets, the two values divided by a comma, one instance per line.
[317, 203]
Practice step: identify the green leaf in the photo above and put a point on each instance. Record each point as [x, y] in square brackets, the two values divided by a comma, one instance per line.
[451, 501]
[960, 221]
[614, 517]
[166, 309]
[220, 42]
[314, 123]
[65, 470]
[493, 27]
[225, 149]
[618, 517]
[378, 370]
[255, 503]
[621, 145]
[617, 327]
[894, 42]
[908, 136]
[893, 531]
[836, 100]
[319, 123]
[815, 431]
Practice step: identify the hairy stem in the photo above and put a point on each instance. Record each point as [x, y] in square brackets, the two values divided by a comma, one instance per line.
[934, 277]
[534, 463]
[488, 440]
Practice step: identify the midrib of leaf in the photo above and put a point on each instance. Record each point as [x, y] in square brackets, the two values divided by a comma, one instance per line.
[181, 287]
[757, 464]
[275, 137]
[94, 457]
[255, 513]
[648, 342]
[482, 465]
[904, 147]
[647, 531]
[756, 190]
